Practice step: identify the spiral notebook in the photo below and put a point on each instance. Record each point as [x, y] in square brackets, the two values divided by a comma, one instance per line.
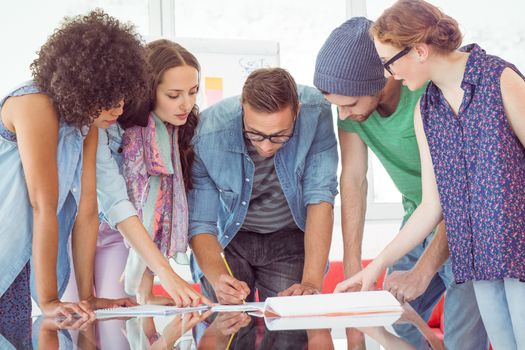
[147, 310]
[162, 310]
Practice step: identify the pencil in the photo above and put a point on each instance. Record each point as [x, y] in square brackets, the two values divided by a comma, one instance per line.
[229, 271]
[231, 339]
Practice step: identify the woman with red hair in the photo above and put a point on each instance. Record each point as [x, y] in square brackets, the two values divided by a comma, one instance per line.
[470, 127]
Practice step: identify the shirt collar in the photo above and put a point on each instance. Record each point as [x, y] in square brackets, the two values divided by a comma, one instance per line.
[474, 63]
[471, 75]
[235, 136]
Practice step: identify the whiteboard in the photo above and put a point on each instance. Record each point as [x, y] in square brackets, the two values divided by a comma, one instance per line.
[225, 64]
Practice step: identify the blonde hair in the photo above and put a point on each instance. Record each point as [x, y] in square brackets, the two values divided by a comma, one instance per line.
[408, 22]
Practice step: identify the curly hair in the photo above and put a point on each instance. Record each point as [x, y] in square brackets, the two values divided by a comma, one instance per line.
[90, 64]
[163, 55]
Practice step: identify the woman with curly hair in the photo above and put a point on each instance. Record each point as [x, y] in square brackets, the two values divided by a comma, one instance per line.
[144, 165]
[48, 136]
[470, 127]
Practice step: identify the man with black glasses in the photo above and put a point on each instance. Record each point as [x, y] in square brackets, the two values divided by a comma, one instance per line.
[264, 182]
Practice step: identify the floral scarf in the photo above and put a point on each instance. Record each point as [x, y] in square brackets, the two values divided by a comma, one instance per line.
[153, 174]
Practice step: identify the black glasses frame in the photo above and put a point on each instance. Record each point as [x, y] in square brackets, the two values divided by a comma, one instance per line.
[397, 56]
[259, 137]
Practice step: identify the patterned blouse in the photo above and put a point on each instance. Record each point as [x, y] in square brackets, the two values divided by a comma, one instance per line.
[479, 164]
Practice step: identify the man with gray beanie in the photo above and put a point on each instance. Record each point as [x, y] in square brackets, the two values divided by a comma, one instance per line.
[377, 113]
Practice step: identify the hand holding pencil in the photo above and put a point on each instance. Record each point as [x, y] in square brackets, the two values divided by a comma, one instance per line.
[228, 289]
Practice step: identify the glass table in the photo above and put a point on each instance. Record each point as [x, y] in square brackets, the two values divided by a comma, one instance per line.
[228, 330]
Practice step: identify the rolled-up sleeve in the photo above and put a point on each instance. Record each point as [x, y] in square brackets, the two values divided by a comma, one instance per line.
[112, 194]
[203, 201]
[320, 174]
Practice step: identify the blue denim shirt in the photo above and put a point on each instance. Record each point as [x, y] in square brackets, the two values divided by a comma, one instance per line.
[113, 201]
[16, 214]
[223, 170]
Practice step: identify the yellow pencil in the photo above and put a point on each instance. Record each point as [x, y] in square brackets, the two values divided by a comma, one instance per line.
[231, 336]
[230, 272]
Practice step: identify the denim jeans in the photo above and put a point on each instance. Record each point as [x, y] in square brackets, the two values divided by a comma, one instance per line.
[463, 326]
[268, 263]
[502, 307]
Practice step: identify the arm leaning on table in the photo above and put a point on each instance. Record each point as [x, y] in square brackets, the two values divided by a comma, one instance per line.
[120, 213]
[33, 117]
[319, 190]
[85, 232]
[354, 188]
[427, 215]
[409, 285]
[204, 206]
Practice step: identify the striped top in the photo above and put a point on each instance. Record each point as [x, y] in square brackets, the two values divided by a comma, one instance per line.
[268, 210]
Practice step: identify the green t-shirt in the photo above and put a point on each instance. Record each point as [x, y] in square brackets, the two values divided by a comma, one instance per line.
[393, 140]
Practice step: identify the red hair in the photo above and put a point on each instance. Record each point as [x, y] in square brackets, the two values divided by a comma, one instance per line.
[409, 22]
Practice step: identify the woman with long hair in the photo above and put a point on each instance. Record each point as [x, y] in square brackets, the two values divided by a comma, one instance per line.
[144, 165]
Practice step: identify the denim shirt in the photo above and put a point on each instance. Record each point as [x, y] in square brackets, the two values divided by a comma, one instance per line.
[223, 170]
[16, 214]
[112, 194]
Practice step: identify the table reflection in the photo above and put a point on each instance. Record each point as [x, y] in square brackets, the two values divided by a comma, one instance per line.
[231, 330]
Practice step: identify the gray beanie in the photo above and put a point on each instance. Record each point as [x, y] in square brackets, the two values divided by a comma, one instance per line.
[348, 63]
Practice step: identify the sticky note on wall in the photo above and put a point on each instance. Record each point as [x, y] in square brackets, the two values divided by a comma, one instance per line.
[213, 90]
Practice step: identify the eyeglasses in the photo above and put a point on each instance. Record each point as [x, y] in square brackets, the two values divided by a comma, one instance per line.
[397, 56]
[273, 138]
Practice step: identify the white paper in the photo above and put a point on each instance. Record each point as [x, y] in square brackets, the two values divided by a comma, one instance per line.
[342, 304]
[251, 306]
[328, 322]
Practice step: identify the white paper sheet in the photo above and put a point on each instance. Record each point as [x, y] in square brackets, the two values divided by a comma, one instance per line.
[329, 322]
[248, 307]
[338, 304]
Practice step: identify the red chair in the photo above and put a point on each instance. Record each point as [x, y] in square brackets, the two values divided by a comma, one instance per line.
[158, 290]
[335, 275]
[437, 319]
